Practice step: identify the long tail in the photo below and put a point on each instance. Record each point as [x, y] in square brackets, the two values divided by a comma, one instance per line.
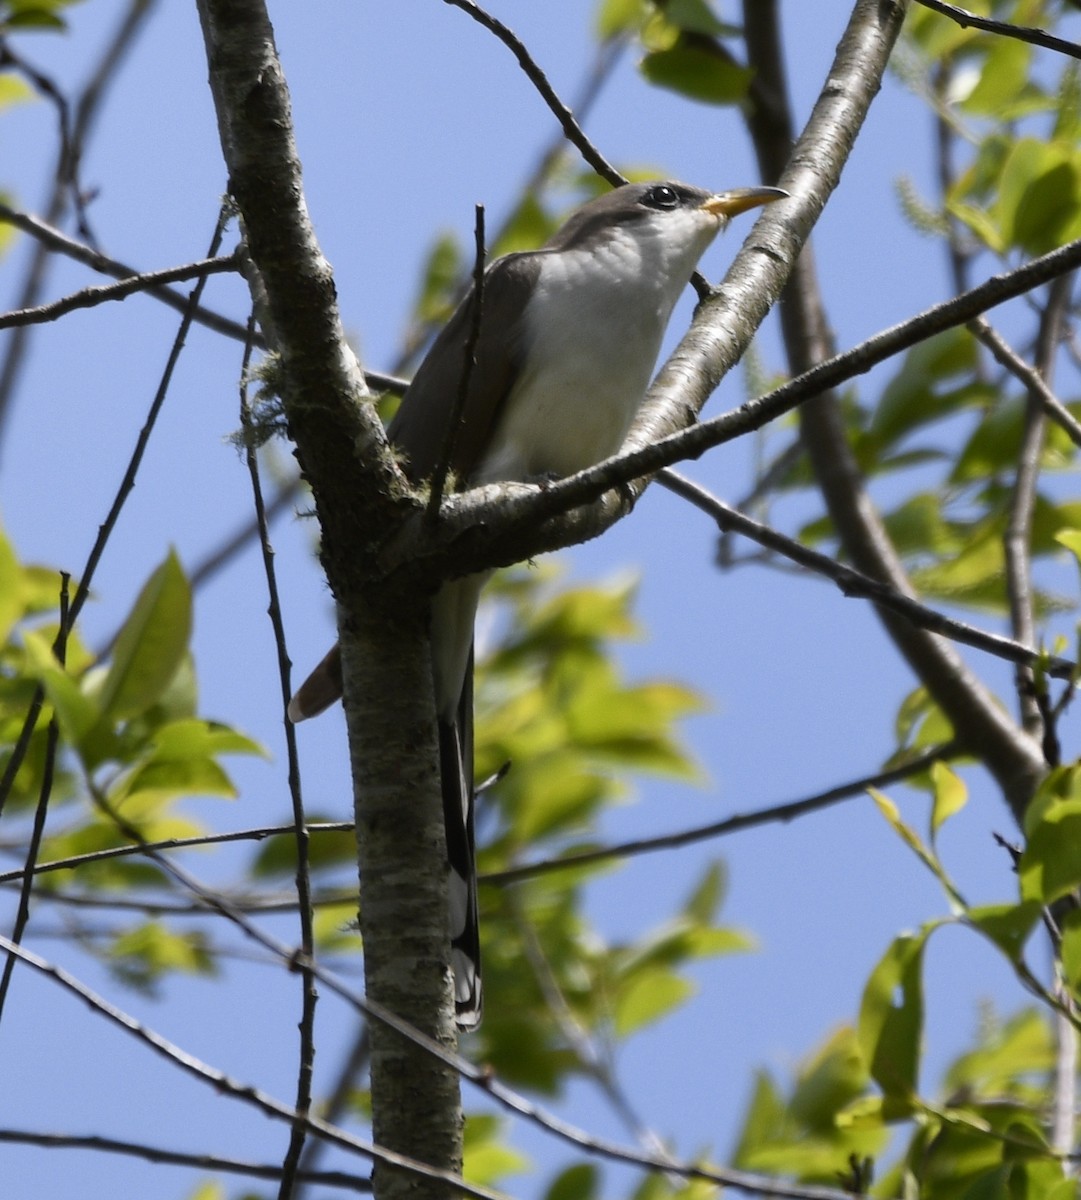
[456, 771]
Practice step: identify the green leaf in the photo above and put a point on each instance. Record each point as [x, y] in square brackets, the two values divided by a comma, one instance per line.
[1050, 864]
[649, 996]
[144, 954]
[696, 16]
[915, 395]
[1007, 925]
[1071, 951]
[439, 278]
[891, 1017]
[980, 223]
[1039, 201]
[1002, 80]
[14, 90]
[151, 645]
[950, 795]
[579, 1182]
[1006, 1052]
[705, 901]
[834, 1077]
[615, 17]
[1071, 539]
[158, 782]
[193, 737]
[764, 1118]
[11, 603]
[699, 72]
[76, 712]
[486, 1157]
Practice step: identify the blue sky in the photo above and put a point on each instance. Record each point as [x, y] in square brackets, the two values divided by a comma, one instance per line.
[408, 114]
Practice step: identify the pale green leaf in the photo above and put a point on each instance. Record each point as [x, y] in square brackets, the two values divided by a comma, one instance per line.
[151, 645]
[1050, 864]
[891, 1017]
[1007, 925]
[195, 738]
[11, 604]
[649, 995]
[1071, 951]
[950, 795]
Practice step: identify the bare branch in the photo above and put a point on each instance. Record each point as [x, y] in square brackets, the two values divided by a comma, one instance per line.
[210, 839]
[855, 583]
[1028, 376]
[158, 1154]
[1022, 33]
[309, 995]
[41, 810]
[571, 129]
[781, 813]
[92, 296]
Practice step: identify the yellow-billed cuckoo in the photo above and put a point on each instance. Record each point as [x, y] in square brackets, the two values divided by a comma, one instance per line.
[569, 335]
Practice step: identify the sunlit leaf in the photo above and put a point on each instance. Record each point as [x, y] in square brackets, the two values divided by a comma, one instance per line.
[950, 795]
[649, 996]
[486, 1156]
[891, 1017]
[1007, 925]
[1050, 864]
[151, 644]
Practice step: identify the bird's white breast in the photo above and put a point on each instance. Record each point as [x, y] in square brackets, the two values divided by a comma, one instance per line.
[593, 329]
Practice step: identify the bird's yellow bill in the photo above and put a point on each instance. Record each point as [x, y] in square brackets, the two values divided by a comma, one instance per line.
[728, 204]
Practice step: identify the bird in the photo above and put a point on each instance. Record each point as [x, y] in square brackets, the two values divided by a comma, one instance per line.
[568, 339]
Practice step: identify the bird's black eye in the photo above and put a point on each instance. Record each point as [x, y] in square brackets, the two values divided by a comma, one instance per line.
[661, 196]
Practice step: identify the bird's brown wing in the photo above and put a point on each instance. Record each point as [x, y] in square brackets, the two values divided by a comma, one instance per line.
[421, 426]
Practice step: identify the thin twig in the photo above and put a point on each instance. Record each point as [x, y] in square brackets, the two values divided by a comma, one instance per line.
[92, 296]
[778, 813]
[573, 131]
[53, 239]
[855, 583]
[1022, 33]
[592, 1060]
[262, 904]
[177, 1158]
[340, 1099]
[309, 994]
[600, 71]
[41, 810]
[1032, 380]
[480, 1076]
[257, 834]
